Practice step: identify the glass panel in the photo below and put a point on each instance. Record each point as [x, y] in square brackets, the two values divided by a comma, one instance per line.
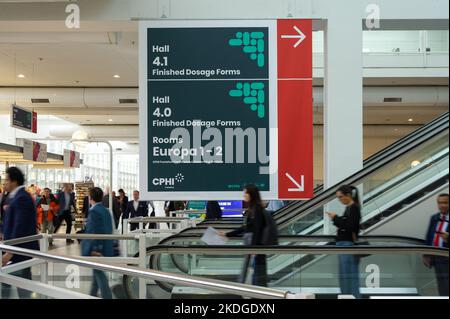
[391, 41]
[390, 274]
[438, 40]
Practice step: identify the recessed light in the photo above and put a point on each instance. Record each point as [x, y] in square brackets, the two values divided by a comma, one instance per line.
[110, 120]
[21, 76]
[116, 76]
[415, 163]
[410, 120]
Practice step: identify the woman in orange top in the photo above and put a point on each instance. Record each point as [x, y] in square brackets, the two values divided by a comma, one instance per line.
[47, 208]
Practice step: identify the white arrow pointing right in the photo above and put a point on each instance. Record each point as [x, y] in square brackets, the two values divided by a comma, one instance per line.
[300, 35]
[300, 186]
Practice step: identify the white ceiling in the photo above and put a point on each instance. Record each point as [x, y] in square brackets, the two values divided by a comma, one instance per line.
[69, 59]
[90, 59]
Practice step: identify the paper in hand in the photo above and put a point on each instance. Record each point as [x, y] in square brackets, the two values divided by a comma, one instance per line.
[212, 237]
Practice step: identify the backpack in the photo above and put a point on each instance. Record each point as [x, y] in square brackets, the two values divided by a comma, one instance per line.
[270, 232]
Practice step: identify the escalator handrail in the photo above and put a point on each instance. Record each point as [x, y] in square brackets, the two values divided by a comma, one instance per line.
[306, 238]
[304, 249]
[295, 239]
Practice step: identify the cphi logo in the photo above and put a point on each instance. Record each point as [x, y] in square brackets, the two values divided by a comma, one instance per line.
[179, 177]
[168, 181]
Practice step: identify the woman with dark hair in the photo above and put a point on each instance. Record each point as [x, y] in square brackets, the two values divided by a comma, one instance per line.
[252, 231]
[347, 235]
[123, 201]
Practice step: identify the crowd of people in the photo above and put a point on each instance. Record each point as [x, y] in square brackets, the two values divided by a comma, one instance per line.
[54, 208]
[24, 213]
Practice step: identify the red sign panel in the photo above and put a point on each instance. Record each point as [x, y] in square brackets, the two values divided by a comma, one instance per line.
[295, 118]
[34, 126]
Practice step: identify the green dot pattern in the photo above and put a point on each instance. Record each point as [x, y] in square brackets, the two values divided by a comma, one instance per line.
[252, 95]
[252, 43]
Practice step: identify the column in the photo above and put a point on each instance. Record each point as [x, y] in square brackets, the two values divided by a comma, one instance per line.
[343, 117]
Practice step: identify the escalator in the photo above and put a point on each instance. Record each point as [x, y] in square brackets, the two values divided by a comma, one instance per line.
[391, 183]
[376, 162]
[389, 265]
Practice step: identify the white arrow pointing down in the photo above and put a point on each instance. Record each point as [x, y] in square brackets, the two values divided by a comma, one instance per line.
[301, 36]
[300, 187]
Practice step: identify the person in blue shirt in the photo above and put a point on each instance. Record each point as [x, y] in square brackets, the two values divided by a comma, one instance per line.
[19, 220]
[99, 222]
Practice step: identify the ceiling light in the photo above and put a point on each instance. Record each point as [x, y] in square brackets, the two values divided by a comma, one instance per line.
[21, 76]
[116, 76]
[410, 120]
[415, 163]
[110, 120]
[80, 135]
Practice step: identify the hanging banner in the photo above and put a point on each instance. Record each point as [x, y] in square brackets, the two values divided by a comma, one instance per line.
[223, 104]
[23, 119]
[34, 151]
[71, 158]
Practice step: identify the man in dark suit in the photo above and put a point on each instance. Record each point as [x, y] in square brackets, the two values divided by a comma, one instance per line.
[116, 208]
[437, 236]
[86, 206]
[20, 220]
[66, 203]
[136, 208]
[99, 222]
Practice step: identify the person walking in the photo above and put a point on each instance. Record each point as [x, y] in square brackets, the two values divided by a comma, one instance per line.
[253, 231]
[123, 200]
[19, 221]
[47, 208]
[66, 204]
[348, 226]
[116, 211]
[99, 222]
[437, 236]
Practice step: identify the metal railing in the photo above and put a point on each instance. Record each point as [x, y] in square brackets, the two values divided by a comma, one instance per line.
[168, 246]
[142, 273]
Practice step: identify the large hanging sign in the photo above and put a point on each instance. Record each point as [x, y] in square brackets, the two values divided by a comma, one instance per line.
[23, 119]
[34, 151]
[224, 104]
[71, 158]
